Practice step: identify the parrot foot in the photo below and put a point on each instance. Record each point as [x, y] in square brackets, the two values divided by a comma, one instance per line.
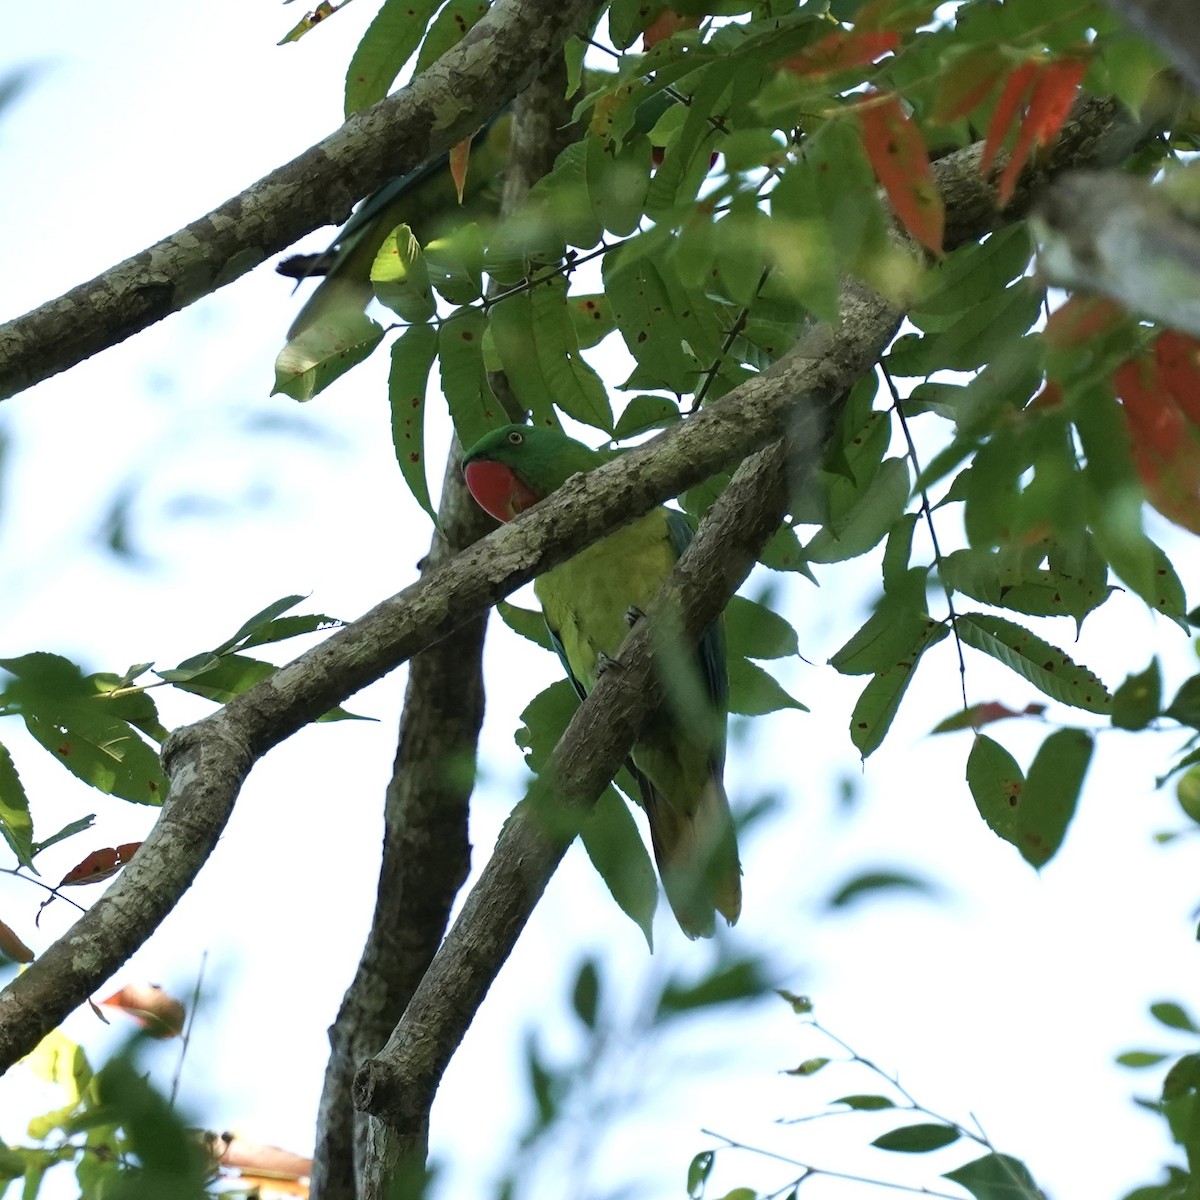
[605, 662]
[633, 615]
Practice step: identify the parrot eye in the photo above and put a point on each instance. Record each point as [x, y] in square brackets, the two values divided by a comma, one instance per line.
[515, 438]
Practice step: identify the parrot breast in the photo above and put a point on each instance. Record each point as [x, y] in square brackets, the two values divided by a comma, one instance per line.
[497, 489]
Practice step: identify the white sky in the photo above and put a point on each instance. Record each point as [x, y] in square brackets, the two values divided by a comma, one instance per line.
[1008, 998]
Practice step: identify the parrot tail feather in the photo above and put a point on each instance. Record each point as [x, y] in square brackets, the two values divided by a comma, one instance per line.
[697, 858]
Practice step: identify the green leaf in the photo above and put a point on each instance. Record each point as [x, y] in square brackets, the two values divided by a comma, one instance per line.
[1137, 701]
[254, 624]
[1138, 1060]
[575, 387]
[618, 179]
[810, 1066]
[591, 314]
[448, 29]
[880, 699]
[528, 622]
[755, 631]
[645, 315]
[318, 355]
[454, 261]
[753, 692]
[742, 979]
[917, 1139]
[978, 336]
[996, 783]
[232, 674]
[386, 46]
[644, 413]
[15, 822]
[585, 994]
[1173, 1016]
[865, 1102]
[1185, 707]
[1050, 794]
[884, 641]
[1043, 665]
[610, 837]
[474, 409]
[400, 277]
[699, 1169]
[543, 721]
[67, 831]
[996, 1177]
[412, 360]
[511, 324]
[283, 628]
[868, 521]
[970, 275]
[65, 713]
[868, 883]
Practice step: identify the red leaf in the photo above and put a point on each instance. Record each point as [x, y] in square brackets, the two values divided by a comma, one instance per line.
[1016, 88]
[161, 1015]
[897, 152]
[1081, 319]
[1165, 450]
[12, 947]
[1053, 95]
[1177, 358]
[99, 865]
[840, 50]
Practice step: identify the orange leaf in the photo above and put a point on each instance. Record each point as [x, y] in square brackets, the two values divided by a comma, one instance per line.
[840, 50]
[1016, 88]
[897, 152]
[99, 865]
[665, 24]
[1177, 358]
[12, 947]
[1053, 95]
[1165, 451]
[459, 159]
[161, 1015]
[1081, 319]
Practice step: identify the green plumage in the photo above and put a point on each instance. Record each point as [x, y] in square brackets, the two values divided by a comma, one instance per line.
[679, 756]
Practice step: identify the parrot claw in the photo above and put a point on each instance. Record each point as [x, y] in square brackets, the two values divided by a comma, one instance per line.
[605, 662]
[633, 615]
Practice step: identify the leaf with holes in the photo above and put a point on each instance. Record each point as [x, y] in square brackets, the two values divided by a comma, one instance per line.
[880, 699]
[1051, 793]
[1045, 666]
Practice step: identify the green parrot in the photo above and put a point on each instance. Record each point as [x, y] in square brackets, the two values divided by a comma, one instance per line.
[587, 602]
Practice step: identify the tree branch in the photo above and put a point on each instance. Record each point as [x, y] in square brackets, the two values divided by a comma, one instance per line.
[208, 762]
[448, 102]
[426, 854]
[398, 1085]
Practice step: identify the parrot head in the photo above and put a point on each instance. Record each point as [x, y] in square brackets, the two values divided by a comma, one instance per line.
[512, 468]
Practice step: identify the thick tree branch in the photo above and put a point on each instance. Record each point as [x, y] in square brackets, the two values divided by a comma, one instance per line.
[448, 102]
[208, 761]
[426, 854]
[398, 1085]
[1172, 26]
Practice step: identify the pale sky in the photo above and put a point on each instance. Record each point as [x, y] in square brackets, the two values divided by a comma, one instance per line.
[1006, 998]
